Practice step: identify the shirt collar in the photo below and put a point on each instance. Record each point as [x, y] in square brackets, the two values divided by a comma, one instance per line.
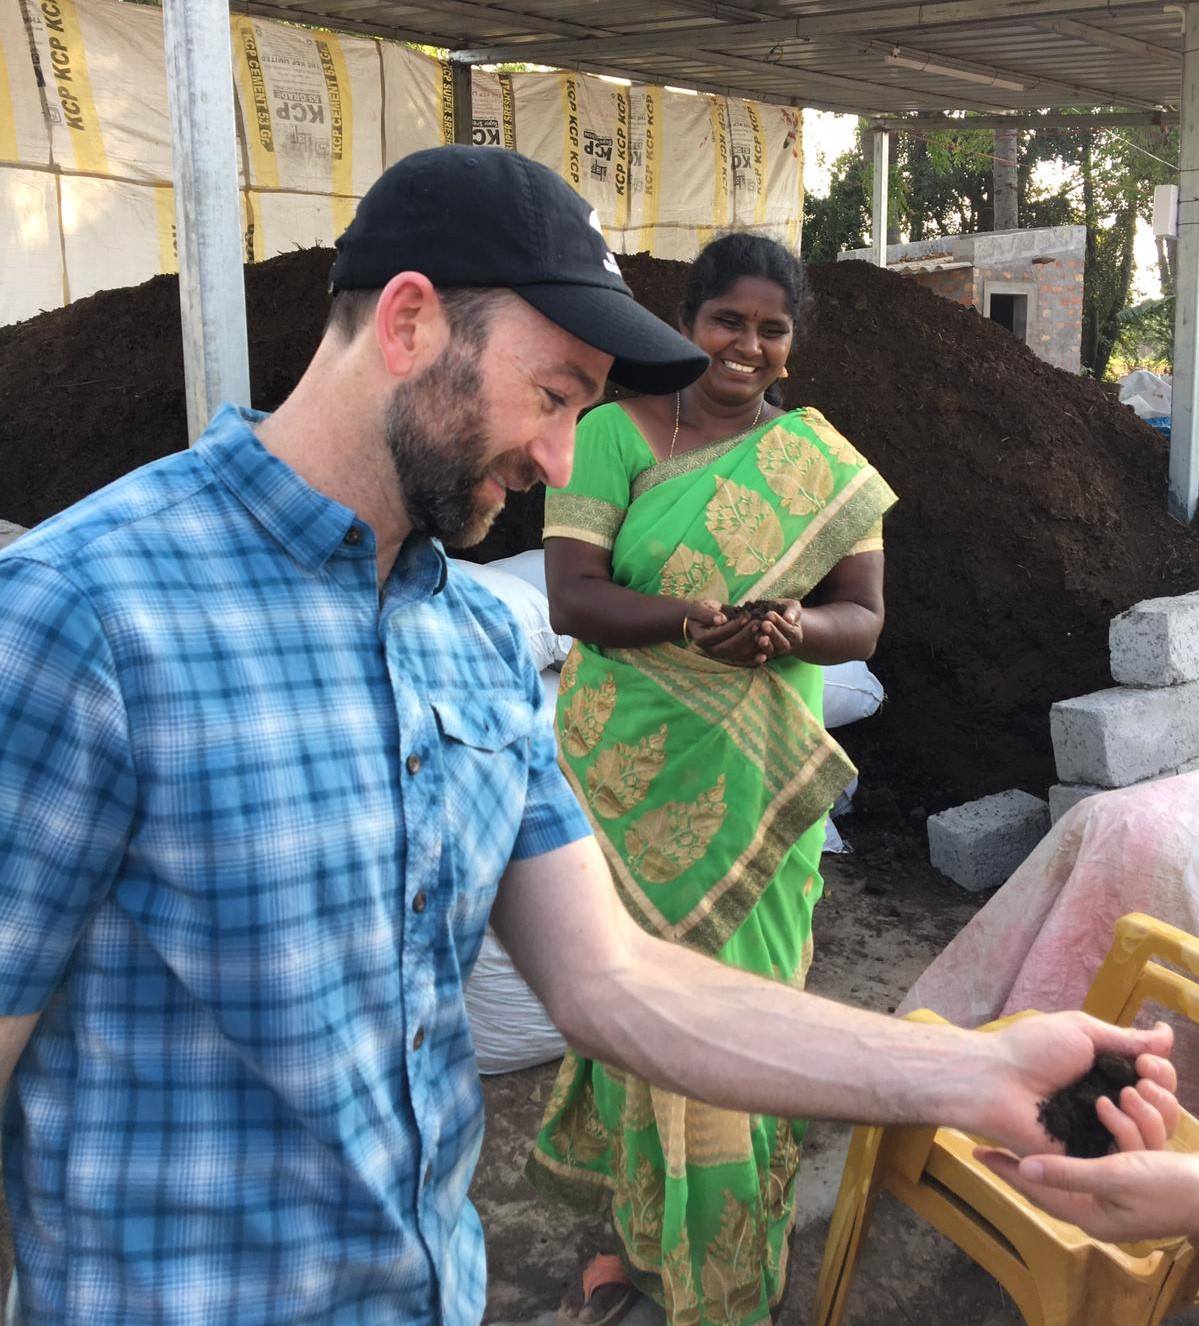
[307, 524]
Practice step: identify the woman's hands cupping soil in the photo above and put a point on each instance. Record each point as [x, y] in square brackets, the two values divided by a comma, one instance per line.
[743, 640]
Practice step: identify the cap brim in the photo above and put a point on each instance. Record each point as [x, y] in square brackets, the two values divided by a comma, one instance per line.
[650, 356]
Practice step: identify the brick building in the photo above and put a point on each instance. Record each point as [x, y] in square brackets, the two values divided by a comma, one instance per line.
[1030, 281]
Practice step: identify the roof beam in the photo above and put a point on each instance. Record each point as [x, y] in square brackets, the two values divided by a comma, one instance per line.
[800, 76]
[893, 18]
[310, 16]
[638, 76]
[1047, 120]
[1030, 81]
[1114, 41]
[477, 9]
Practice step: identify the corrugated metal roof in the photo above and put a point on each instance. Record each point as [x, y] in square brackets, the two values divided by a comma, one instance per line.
[861, 56]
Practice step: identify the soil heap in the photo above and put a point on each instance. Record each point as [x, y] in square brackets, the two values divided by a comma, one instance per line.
[1032, 505]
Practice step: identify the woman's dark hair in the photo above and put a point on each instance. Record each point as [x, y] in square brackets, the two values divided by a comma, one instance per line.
[740, 254]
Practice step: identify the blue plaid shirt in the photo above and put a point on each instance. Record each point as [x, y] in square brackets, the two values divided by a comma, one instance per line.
[252, 816]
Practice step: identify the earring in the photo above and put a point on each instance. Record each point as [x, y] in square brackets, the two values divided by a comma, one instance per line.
[784, 374]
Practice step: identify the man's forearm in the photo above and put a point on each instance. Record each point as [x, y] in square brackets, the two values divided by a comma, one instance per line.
[714, 1034]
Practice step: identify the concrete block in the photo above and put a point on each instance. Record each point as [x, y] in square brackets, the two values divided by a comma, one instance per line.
[978, 845]
[1065, 796]
[1124, 735]
[1156, 643]
[9, 532]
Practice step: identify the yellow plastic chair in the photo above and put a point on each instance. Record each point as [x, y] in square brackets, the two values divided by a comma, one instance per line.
[1055, 1274]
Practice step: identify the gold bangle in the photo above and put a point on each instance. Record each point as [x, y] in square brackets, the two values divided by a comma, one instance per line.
[686, 633]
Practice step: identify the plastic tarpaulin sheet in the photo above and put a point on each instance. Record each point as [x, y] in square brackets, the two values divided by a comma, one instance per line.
[31, 273]
[415, 99]
[311, 107]
[1040, 939]
[115, 233]
[24, 135]
[282, 222]
[104, 69]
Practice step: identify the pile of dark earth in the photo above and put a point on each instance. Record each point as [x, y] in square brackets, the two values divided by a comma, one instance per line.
[1032, 505]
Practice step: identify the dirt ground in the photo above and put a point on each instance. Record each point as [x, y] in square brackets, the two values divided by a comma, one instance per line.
[886, 913]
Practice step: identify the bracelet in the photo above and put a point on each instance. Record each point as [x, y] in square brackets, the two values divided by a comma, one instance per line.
[686, 632]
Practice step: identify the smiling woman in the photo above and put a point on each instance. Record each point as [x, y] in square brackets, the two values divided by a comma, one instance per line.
[693, 735]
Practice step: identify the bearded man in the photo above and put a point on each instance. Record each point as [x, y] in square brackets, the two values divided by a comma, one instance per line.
[267, 767]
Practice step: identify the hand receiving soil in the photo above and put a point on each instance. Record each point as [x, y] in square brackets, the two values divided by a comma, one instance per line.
[1069, 1115]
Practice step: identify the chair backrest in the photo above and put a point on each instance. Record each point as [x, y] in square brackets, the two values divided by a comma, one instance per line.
[1128, 978]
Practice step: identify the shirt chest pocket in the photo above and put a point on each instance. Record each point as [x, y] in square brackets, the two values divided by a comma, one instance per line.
[485, 748]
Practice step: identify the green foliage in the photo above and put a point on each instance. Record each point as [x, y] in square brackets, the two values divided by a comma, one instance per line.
[1145, 335]
[941, 184]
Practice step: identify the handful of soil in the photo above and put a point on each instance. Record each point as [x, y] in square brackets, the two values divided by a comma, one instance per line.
[1069, 1114]
[755, 609]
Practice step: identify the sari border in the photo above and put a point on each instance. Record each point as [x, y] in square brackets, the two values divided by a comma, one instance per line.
[666, 470]
[582, 535]
[581, 512]
[858, 506]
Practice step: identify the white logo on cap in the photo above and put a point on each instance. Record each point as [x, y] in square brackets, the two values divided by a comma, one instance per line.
[609, 260]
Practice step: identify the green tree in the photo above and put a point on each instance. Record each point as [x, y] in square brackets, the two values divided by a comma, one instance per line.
[941, 184]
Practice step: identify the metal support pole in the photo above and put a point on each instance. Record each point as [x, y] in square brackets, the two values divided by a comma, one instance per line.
[878, 215]
[463, 108]
[208, 228]
[1184, 435]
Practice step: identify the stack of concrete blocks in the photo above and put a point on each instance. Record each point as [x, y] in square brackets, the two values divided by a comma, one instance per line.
[1145, 727]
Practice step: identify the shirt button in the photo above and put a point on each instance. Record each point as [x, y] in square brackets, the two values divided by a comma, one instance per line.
[418, 903]
[419, 1039]
[354, 535]
[412, 764]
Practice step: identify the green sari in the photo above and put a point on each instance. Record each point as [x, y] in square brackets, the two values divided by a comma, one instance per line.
[708, 787]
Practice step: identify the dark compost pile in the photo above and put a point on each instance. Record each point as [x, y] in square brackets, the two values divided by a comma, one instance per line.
[1032, 505]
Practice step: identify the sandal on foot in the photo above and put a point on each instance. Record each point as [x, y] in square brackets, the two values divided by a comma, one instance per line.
[603, 1272]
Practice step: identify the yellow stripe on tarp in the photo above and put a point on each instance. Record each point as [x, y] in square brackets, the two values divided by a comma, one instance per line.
[251, 78]
[620, 167]
[8, 112]
[253, 227]
[445, 96]
[68, 84]
[508, 112]
[759, 163]
[718, 120]
[652, 159]
[572, 161]
[164, 222]
[341, 127]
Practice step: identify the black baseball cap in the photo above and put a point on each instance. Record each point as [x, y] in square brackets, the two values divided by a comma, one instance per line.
[486, 216]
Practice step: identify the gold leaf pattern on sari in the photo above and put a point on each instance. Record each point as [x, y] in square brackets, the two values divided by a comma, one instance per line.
[678, 1284]
[731, 1278]
[687, 574]
[784, 1165]
[745, 526]
[797, 471]
[586, 716]
[619, 779]
[563, 1084]
[647, 1205]
[638, 1103]
[570, 670]
[580, 1137]
[839, 446]
[666, 841]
